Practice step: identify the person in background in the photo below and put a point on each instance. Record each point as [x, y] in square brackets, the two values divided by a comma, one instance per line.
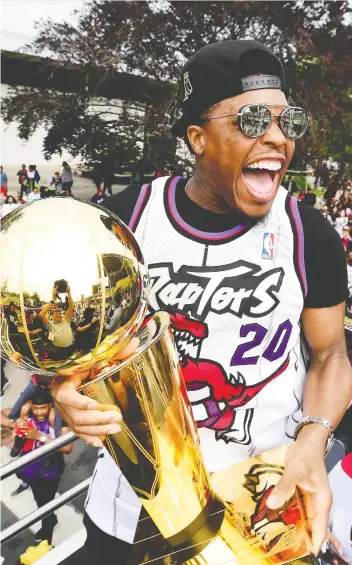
[98, 197]
[9, 205]
[59, 324]
[290, 185]
[67, 177]
[3, 181]
[86, 330]
[115, 321]
[67, 192]
[310, 198]
[36, 174]
[334, 213]
[302, 195]
[36, 427]
[325, 212]
[346, 238]
[340, 222]
[22, 177]
[34, 195]
[108, 176]
[57, 182]
[171, 171]
[31, 181]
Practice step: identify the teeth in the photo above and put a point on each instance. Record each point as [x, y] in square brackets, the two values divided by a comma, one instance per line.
[266, 164]
[187, 344]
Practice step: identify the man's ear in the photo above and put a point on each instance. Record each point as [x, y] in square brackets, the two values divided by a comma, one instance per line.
[196, 137]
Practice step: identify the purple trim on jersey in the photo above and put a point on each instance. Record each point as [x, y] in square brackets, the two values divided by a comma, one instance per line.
[193, 231]
[137, 209]
[300, 242]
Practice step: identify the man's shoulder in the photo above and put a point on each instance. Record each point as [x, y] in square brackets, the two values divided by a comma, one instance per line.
[123, 203]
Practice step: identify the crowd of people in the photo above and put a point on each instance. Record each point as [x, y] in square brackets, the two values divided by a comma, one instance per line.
[30, 189]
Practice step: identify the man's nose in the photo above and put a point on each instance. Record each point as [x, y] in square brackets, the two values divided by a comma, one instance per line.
[274, 136]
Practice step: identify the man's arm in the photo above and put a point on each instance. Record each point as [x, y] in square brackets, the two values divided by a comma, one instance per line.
[328, 387]
[327, 393]
[70, 309]
[66, 448]
[43, 314]
[328, 384]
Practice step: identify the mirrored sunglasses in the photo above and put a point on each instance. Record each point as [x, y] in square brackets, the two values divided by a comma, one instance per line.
[255, 119]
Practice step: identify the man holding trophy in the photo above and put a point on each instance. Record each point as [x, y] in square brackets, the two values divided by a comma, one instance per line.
[257, 313]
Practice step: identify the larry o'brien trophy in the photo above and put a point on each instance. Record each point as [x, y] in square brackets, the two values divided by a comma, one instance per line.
[74, 291]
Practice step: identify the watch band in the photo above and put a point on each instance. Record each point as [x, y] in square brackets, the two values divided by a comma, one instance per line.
[316, 420]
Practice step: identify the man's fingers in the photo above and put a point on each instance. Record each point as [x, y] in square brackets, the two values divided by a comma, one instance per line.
[96, 418]
[68, 396]
[334, 542]
[317, 511]
[283, 490]
[91, 440]
[96, 431]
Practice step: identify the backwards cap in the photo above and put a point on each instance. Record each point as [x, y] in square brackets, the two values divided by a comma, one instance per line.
[222, 70]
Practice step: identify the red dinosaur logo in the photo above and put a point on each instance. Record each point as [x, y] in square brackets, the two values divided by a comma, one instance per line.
[214, 396]
[270, 525]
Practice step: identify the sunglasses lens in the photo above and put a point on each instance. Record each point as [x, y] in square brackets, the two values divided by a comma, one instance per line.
[294, 122]
[256, 119]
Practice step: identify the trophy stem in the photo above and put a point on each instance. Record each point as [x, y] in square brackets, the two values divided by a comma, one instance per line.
[158, 452]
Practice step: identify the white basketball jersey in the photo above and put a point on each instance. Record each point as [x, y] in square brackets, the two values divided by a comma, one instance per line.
[235, 300]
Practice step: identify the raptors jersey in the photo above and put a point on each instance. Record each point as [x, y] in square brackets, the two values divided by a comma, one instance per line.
[235, 300]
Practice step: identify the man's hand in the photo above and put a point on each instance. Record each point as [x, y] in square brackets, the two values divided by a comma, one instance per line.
[86, 417]
[33, 433]
[305, 468]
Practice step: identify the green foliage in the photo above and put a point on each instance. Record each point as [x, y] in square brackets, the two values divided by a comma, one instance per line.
[153, 40]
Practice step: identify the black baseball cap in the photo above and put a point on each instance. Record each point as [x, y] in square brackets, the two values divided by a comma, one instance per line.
[222, 70]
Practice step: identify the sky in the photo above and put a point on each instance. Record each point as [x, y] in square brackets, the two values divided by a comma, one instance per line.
[18, 17]
[17, 29]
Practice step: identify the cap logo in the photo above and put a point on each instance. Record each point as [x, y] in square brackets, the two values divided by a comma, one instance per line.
[188, 88]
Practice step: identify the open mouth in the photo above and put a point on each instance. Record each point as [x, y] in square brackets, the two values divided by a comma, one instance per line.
[261, 178]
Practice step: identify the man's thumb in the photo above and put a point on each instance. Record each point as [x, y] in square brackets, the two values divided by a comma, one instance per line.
[281, 493]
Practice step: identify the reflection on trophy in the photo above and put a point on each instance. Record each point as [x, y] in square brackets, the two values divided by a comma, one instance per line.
[68, 306]
[73, 287]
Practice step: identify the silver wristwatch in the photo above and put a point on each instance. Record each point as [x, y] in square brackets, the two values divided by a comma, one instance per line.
[316, 420]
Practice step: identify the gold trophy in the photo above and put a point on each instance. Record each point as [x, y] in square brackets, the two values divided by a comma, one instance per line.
[74, 291]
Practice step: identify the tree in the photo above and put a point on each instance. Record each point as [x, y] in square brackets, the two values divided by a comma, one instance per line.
[153, 39]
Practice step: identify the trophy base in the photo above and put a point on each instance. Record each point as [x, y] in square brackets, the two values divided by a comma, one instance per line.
[223, 548]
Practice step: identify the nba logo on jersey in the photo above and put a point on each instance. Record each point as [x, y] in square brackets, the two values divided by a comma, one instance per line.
[268, 245]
